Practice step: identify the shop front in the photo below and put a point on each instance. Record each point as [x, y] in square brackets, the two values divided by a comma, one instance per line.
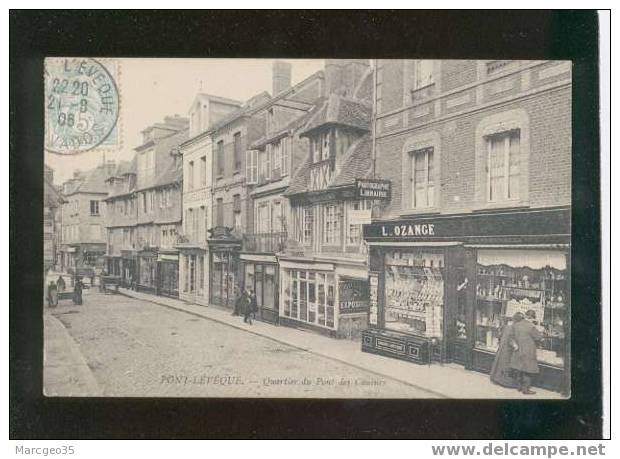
[128, 268]
[168, 273]
[193, 273]
[261, 275]
[327, 296]
[224, 265]
[113, 265]
[442, 288]
[147, 271]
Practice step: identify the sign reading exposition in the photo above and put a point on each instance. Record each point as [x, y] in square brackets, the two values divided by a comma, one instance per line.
[373, 189]
[354, 296]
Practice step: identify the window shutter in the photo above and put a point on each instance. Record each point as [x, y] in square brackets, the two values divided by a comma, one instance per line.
[251, 166]
[286, 147]
[248, 167]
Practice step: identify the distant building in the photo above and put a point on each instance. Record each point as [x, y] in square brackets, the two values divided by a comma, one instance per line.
[270, 162]
[83, 212]
[323, 270]
[159, 209]
[52, 205]
[121, 222]
[197, 158]
[232, 211]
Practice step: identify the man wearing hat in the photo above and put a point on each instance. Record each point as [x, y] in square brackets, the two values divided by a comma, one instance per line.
[524, 360]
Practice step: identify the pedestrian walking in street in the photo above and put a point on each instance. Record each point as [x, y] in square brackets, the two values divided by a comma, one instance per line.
[501, 372]
[52, 294]
[524, 360]
[251, 306]
[60, 283]
[77, 291]
[240, 298]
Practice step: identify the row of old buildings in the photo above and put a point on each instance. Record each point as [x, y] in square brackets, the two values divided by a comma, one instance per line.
[414, 205]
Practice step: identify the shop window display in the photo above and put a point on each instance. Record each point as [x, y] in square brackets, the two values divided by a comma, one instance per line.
[309, 297]
[510, 281]
[414, 286]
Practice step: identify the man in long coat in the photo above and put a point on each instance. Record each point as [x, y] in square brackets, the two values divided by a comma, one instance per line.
[524, 360]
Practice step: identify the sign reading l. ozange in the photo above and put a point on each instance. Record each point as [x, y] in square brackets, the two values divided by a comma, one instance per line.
[373, 189]
[401, 230]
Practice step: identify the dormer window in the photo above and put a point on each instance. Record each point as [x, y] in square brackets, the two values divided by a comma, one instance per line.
[319, 146]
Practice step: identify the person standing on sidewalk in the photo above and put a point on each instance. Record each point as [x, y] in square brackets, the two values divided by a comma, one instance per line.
[250, 306]
[52, 294]
[501, 372]
[60, 283]
[77, 291]
[524, 359]
[239, 299]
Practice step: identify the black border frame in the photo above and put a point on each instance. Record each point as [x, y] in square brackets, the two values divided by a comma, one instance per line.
[310, 34]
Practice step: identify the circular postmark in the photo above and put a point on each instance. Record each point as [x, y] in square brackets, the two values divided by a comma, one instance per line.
[81, 105]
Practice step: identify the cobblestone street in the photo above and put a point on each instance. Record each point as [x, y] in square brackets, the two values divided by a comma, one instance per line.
[137, 348]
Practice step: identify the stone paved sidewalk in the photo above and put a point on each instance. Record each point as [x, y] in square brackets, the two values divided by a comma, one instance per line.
[445, 381]
[65, 372]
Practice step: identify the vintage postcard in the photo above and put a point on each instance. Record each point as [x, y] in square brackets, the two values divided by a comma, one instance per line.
[285, 228]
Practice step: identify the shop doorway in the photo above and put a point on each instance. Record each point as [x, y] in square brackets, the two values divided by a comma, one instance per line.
[168, 279]
[223, 278]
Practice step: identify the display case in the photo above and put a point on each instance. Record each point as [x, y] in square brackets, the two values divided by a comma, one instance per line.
[519, 281]
[414, 293]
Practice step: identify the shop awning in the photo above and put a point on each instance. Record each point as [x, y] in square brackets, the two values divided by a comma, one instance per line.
[415, 243]
[517, 246]
[306, 266]
[259, 258]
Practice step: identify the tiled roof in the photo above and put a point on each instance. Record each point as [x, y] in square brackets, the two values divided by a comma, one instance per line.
[223, 100]
[261, 101]
[364, 88]
[247, 109]
[170, 173]
[300, 179]
[296, 123]
[124, 167]
[356, 164]
[94, 182]
[341, 111]
[51, 196]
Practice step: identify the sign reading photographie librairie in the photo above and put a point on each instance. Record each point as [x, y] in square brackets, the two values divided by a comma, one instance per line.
[373, 189]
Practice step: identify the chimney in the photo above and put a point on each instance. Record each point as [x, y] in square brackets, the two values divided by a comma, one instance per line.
[343, 75]
[281, 77]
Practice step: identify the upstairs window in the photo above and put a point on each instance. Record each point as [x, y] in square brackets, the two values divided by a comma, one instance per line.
[190, 176]
[423, 74]
[331, 229]
[203, 171]
[320, 147]
[286, 151]
[503, 166]
[354, 230]
[237, 151]
[422, 178]
[94, 207]
[276, 152]
[251, 166]
[265, 156]
[220, 158]
[308, 225]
